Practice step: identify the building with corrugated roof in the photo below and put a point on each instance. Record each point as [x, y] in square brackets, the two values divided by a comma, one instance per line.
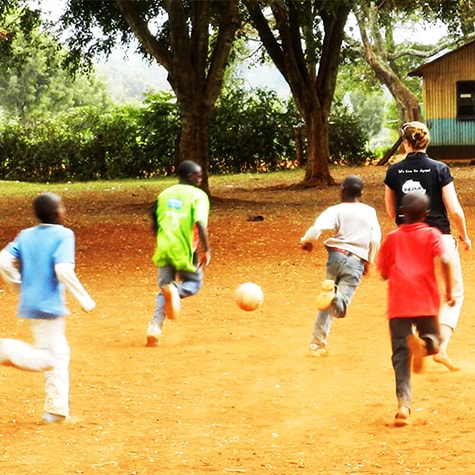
[449, 103]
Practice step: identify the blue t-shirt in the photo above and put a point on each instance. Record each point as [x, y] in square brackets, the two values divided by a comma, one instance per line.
[38, 250]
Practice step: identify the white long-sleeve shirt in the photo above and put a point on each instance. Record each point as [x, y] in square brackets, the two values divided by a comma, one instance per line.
[356, 227]
[64, 272]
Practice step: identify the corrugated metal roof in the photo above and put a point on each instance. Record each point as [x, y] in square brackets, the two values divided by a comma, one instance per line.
[420, 70]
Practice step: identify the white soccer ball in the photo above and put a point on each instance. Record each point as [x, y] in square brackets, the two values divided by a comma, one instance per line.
[249, 296]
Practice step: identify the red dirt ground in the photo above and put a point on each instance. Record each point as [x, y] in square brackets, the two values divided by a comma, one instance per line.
[229, 391]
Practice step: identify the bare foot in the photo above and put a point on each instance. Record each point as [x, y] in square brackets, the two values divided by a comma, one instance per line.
[402, 417]
[447, 362]
[326, 296]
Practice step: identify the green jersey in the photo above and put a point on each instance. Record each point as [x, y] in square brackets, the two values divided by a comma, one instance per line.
[179, 208]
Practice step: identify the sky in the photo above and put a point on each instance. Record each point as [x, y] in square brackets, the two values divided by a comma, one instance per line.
[126, 62]
[153, 76]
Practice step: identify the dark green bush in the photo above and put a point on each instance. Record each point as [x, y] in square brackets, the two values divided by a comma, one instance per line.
[250, 130]
[347, 139]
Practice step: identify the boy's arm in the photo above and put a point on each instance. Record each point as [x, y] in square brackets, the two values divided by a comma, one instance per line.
[203, 234]
[375, 239]
[8, 271]
[325, 222]
[312, 234]
[153, 217]
[67, 276]
[382, 261]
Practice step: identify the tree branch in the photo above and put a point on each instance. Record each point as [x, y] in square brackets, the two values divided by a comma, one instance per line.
[141, 31]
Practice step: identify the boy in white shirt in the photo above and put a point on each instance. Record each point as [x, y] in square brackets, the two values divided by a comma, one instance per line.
[353, 245]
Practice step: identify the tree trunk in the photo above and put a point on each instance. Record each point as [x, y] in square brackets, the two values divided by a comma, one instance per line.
[195, 62]
[407, 103]
[312, 90]
[193, 144]
[317, 172]
[299, 152]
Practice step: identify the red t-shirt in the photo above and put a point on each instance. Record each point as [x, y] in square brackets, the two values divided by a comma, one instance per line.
[406, 259]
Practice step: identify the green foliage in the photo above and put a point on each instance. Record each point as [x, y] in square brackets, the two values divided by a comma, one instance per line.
[83, 144]
[347, 136]
[370, 109]
[34, 83]
[249, 131]
[158, 133]
[86, 143]
[40, 153]
[15, 18]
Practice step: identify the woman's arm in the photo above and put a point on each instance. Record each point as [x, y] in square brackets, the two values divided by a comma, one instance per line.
[390, 202]
[456, 214]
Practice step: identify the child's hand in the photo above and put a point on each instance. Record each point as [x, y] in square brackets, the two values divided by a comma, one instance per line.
[307, 246]
[467, 244]
[450, 300]
[205, 259]
[366, 268]
[88, 305]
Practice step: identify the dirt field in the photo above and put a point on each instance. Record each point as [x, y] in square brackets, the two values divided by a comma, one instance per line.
[229, 391]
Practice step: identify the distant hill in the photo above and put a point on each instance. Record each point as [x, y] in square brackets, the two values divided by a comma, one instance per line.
[129, 77]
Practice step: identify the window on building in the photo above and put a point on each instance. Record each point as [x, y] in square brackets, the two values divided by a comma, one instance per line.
[466, 100]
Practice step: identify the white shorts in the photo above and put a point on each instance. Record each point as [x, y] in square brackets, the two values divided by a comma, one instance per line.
[450, 315]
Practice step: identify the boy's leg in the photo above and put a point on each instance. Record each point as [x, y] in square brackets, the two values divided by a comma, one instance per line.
[321, 330]
[423, 342]
[346, 272]
[399, 330]
[324, 319]
[50, 334]
[347, 282]
[154, 331]
[190, 282]
[428, 329]
[23, 356]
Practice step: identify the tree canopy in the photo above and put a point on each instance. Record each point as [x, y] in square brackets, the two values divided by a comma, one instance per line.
[191, 40]
[391, 61]
[304, 40]
[194, 41]
[34, 84]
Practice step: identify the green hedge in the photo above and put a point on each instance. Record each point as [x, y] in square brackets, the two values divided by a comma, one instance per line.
[250, 130]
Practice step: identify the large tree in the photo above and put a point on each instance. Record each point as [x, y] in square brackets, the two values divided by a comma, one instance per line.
[304, 40]
[34, 83]
[192, 40]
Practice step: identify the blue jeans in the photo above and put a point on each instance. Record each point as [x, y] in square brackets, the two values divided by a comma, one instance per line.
[187, 283]
[399, 330]
[346, 271]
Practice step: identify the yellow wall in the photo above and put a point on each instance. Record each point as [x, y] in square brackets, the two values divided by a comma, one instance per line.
[439, 81]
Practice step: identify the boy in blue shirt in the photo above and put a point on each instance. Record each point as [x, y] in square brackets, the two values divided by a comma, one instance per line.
[45, 258]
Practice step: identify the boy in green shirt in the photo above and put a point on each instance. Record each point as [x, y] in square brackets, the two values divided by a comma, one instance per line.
[180, 220]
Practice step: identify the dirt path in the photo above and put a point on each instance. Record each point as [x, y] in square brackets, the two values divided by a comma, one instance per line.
[229, 391]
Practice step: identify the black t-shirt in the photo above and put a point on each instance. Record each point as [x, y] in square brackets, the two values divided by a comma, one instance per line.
[419, 172]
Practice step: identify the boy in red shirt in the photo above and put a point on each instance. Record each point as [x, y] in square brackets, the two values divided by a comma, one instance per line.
[407, 260]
